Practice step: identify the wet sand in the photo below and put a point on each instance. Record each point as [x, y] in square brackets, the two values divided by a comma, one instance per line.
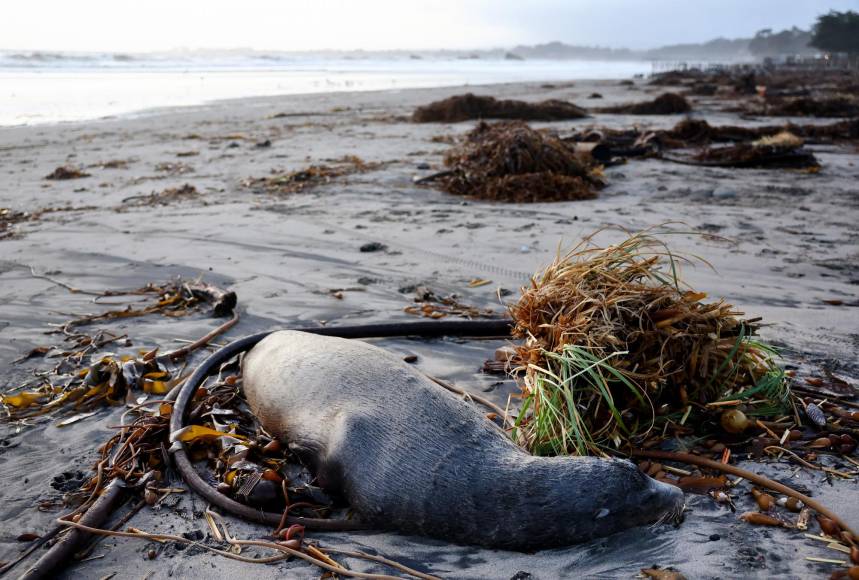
[782, 243]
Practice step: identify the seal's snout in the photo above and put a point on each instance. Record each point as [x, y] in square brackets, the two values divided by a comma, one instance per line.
[663, 499]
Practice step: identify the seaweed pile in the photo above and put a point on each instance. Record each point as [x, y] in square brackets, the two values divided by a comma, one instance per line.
[616, 348]
[831, 106]
[509, 161]
[783, 150]
[664, 104]
[307, 178]
[698, 131]
[470, 106]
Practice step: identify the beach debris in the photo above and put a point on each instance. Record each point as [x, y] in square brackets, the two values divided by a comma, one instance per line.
[834, 106]
[658, 573]
[10, 218]
[66, 172]
[509, 161]
[470, 106]
[430, 305]
[370, 247]
[309, 177]
[174, 167]
[616, 348]
[167, 196]
[664, 104]
[87, 378]
[783, 150]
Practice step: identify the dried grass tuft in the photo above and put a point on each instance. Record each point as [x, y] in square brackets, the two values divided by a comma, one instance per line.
[615, 342]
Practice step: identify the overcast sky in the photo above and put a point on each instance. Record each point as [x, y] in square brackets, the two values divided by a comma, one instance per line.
[117, 25]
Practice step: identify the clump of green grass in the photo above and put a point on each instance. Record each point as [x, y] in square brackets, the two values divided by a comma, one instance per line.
[616, 345]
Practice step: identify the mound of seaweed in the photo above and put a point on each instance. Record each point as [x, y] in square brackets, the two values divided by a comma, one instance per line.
[664, 104]
[616, 348]
[837, 106]
[510, 161]
[470, 106]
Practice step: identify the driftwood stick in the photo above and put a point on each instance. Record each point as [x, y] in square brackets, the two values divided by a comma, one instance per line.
[54, 559]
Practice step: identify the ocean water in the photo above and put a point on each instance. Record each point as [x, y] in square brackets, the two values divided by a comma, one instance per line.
[49, 88]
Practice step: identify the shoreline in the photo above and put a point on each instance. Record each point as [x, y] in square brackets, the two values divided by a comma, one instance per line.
[93, 94]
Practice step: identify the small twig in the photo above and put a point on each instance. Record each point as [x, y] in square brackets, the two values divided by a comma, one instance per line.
[384, 561]
[483, 401]
[201, 342]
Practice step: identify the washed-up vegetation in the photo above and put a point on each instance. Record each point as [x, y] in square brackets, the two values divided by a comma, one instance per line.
[309, 177]
[66, 172]
[167, 196]
[783, 150]
[470, 106]
[834, 106]
[509, 161]
[617, 348]
[85, 376]
[664, 104]
[10, 218]
[430, 305]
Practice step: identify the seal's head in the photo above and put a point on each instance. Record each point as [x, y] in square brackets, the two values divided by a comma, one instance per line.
[630, 498]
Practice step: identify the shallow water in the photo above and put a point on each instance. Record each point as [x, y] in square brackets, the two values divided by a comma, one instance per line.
[50, 91]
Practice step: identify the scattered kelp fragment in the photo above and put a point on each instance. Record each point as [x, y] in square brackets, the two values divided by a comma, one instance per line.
[309, 177]
[664, 104]
[509, 161]
[170, 195]
[615, 345]
[429, 305]
[66, 172]
[836, 106]
[86, 377]
[783, 150]
[10, 218]
[174, 168]
[469, 106]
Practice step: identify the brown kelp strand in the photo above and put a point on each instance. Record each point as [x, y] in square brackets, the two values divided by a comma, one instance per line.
[615, 344]
[470, 106]
[509, 161]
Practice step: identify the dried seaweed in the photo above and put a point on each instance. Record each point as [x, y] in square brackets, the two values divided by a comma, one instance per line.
[612, 337]
[834, 106]
[66, 172]
[469, 106]
[86, 377]
[430, 305]
[509, 161]
[309, 177]
[664, 104]
[783, 150]
[170, 195]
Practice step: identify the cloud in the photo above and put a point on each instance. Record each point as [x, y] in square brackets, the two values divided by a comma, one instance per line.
[383, 24]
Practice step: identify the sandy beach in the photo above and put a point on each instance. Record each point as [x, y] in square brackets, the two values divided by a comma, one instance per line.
[783, 245]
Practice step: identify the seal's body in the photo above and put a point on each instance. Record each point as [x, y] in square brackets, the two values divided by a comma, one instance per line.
[410, 456]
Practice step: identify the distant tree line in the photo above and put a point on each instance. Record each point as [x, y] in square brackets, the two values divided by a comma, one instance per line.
[837, 32]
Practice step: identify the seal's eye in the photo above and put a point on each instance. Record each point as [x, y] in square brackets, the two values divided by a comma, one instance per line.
[603, 512]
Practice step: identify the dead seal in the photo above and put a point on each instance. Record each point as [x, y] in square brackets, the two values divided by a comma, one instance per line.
[409, 456]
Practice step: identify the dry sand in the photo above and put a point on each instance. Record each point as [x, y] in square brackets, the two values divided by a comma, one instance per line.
[792, 243]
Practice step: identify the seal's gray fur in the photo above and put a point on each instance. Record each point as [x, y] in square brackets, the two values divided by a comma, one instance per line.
[409, 455]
